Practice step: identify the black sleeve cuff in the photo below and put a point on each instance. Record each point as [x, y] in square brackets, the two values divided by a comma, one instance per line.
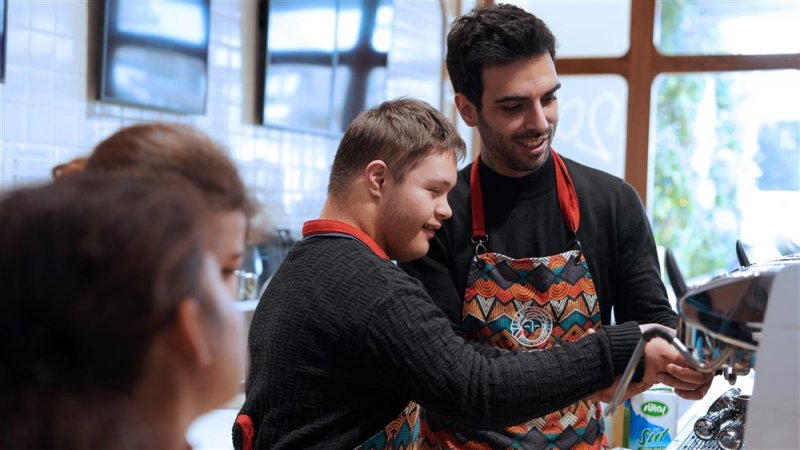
[623, 339]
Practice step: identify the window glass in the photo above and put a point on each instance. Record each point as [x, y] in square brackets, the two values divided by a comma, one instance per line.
[180, 21]
[695, 27]
[289, 26]
[155, 54]
[592, 122]
[299, 95]
[382, 36]
[319, 58]
[579, 29]
[726, 167]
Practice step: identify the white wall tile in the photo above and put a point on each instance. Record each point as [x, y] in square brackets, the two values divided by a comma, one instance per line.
[49, 114]
[40, 87]
[65, 92]
[43, 15]
[65, 127]
[15, 122]
[19, 13]
[17, 45]
[42, 46]
[64, 53]
[40, 124]
[16, 84]
[71, 19]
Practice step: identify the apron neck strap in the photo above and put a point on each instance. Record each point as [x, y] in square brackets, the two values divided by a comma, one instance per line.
[334, 227]
[567, 199]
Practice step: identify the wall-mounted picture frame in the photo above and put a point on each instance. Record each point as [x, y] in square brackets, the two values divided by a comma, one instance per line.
[323, 61]
[3, 9]
[155, 54]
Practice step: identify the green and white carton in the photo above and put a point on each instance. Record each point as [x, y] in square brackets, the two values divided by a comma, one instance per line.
[653, 419]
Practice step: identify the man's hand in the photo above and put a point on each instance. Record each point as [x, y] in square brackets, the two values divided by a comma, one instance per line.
[688, 383]
[664, 364]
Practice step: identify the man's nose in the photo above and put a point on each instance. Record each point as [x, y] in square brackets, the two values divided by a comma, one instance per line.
[536, 119]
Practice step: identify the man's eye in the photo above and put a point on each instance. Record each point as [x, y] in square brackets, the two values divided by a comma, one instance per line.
[512, 108]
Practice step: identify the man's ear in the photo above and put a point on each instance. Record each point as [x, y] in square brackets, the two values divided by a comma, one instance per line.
[190, 338]
[376, 175]
[468, 111]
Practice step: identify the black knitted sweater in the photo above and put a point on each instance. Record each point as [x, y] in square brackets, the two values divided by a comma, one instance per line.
[342, 340]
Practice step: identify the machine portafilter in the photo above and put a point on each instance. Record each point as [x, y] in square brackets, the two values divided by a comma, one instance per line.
[719, 323]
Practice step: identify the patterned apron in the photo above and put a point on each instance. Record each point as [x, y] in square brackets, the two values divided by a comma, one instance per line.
[527, 304]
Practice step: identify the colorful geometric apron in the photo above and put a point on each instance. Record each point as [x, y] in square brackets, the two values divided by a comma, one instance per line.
[527, 304]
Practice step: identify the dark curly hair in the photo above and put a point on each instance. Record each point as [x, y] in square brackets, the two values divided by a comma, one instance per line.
[493, 36]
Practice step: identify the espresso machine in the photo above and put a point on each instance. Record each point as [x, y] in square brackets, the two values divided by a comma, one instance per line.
[747, 319]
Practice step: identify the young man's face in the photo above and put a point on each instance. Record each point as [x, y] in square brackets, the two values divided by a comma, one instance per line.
[519, 114]
[413, 210]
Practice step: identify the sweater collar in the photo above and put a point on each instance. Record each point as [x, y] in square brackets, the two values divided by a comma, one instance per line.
[536, 183]
[325, 226]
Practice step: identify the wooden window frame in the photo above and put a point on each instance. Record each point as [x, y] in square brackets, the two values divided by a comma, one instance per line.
[641, 65]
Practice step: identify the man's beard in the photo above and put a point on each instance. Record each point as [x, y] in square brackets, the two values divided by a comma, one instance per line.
[504, 151]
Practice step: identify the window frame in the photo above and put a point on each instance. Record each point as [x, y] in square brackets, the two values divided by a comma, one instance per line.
[641, 65]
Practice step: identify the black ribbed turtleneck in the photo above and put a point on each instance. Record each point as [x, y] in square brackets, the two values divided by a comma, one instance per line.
[523, 219]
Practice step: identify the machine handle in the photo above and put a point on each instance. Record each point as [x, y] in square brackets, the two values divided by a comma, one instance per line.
[651, 333]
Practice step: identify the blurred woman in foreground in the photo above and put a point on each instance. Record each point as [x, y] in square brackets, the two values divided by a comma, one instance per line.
[116, 327]
[158, 151]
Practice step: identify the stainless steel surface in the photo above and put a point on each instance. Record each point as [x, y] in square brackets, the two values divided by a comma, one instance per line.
[720, 323]
[731, 433]
[707, 426]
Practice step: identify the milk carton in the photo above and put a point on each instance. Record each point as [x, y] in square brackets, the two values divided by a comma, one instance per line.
[653, 418]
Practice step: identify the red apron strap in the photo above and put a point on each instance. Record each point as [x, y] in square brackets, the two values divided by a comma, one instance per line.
[245, 423]
[323, 226]
[476, 200]
[567, 199]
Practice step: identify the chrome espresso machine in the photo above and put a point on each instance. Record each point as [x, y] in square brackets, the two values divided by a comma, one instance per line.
[747, 319]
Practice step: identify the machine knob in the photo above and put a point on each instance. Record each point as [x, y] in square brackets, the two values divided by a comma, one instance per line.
[730, 433]
[707, 426]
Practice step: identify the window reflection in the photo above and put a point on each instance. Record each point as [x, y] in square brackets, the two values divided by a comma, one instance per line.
[299, 94]
[592, 123]
[182, 22]
[329, 49]
[577, 28]
[727, 167]
[290, 24]
[695, 27]
[155, 54]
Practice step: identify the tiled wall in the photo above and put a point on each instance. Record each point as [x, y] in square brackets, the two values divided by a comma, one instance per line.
[48, 113]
